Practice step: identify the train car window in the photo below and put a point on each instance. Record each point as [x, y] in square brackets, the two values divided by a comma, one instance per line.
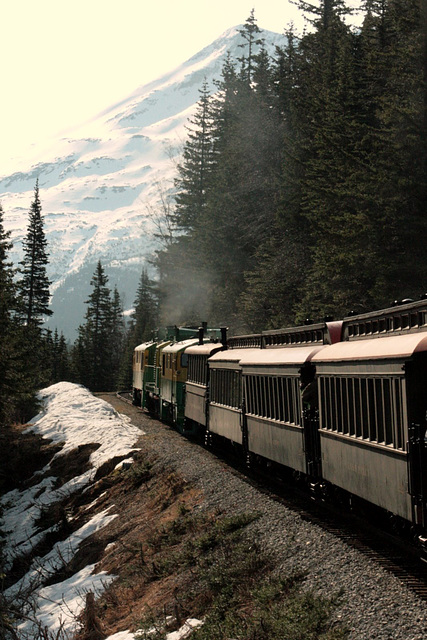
[330, 408]
[357, 408]
[344, 406]
[370, 399]
[325, 403]
[287, 398]
[281, 401]
[184, 360]
[225, 388]
[351, 407]
[296, 393]
[398, 413]
[265, 396]
[379, 400]
[338, 391]
[368, 408]
[260, 408]
[328, 413]
[273, 398]
[364, 408]
[388, 420]
[250, 394]
[278, 407]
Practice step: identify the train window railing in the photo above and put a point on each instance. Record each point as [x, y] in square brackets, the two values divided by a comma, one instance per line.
[414, 320]
[365, 408]
[274, 398]
[225, 387]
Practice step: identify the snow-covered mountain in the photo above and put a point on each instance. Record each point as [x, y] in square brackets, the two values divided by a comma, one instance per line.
[100, 185]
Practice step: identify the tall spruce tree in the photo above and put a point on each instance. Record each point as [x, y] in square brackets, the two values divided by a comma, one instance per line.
[92, 353]
[146, 313]
[196, 166]
[34, 284]
[144, 321]
[8, 355]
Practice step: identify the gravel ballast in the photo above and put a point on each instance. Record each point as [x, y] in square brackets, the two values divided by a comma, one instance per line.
[374, 604]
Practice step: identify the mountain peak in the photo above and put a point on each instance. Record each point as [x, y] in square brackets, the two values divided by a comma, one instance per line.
[100, 184]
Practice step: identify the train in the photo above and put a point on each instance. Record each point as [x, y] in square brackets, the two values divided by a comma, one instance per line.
[339, 404]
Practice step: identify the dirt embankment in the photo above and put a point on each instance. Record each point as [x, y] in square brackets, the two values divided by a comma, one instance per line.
[183, 546]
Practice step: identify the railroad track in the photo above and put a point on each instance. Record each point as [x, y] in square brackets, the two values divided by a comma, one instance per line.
[397, 556]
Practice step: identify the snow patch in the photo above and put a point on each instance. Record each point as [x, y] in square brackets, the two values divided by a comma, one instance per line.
[72, 416]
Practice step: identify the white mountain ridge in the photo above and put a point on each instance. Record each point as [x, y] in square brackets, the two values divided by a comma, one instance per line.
[100, 184]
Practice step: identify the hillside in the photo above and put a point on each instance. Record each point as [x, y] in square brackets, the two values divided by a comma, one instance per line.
[116, 528]
[100, 185]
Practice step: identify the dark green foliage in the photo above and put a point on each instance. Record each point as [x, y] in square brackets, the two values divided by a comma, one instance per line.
[34, 283]
[313, 200]
[7, 302]
[234, 588]
[97, 351]
[145, 315]
[144, 321]
[22, 370]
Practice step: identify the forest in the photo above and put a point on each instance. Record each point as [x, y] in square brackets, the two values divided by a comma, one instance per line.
[300, 194]
[302, 189]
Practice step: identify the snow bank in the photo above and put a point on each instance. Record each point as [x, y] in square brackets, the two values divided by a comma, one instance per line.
[182, 633]
[71, 416]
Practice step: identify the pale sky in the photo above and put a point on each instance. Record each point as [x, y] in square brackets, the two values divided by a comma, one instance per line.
[63, 62]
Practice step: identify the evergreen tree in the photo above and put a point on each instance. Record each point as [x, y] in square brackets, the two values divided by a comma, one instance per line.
[249, 33]
[117, 336]
[196, 166]
[92, 353]
[34, 284]
[8, 355]
[146, 315]
[60, 367]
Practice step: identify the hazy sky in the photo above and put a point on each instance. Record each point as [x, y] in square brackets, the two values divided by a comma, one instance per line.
[63, 62]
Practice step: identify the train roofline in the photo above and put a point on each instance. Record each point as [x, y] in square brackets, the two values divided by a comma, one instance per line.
[382, 348]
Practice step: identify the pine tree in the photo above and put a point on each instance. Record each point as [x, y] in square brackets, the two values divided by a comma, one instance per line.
[196, 166]
[34, 283]
[146, 314]
[249, 33]
[92, 353]
[117, 336]
[8, 355]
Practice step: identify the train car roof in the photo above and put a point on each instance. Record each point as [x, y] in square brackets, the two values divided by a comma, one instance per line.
[175, 347]
[388, 347]
[231, 355]
[204, 349]
[144, 345]
[281, 356]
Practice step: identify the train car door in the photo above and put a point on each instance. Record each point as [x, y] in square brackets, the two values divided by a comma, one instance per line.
[310, 420]
[416, 385]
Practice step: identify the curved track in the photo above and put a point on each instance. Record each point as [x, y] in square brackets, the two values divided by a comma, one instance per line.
[392, 553]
